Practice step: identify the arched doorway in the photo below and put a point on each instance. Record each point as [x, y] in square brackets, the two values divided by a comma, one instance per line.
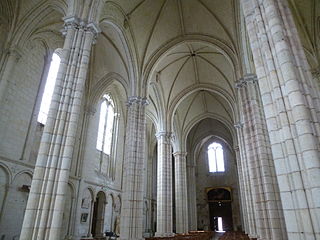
[220, 210]
[98, 215]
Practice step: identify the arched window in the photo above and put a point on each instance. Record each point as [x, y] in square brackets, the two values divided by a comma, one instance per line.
[215, 156]
[48, 90]
[106, 120]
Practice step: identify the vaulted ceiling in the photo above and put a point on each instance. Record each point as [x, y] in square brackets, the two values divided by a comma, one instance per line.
[188, 51]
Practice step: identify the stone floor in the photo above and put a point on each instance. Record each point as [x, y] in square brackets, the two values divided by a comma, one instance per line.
[217, 235]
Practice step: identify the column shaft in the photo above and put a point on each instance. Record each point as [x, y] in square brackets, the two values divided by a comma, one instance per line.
[132, 198]
[181, 195]
[164, 186]
[248, 194]
[192, 198]
[289, 102]
[243, 202]
[262, 174]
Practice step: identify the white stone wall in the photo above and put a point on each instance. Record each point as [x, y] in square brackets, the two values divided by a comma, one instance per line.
[17, 102]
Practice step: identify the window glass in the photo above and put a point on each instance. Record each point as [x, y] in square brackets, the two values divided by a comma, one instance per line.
[48, 90]
[215, 157]
[105, 129]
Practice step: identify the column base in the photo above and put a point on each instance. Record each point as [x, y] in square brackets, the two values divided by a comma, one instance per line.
[252, 236]
[157, 234]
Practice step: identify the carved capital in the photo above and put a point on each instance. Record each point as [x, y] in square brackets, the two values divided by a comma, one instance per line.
[182, 154]
[14, 52]
[70, 23]
[74, 22]
[245, 80]
[238, 125]
[168, 136]
[94, 29]
[315, 73]
[137, 100]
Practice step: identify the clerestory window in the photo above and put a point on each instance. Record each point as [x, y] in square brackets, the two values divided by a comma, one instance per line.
[215, 157]
[105, 129]
[48, 90]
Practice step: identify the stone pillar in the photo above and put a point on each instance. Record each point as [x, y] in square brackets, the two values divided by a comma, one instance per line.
[12, 56]
[192, 197]
[266, 196]
[44, 212]
[243, 202]
[250, 229]
[181, 195]
[289, 101]
[164, 186]
[131, 223]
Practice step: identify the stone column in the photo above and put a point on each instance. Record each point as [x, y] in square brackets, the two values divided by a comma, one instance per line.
[164, 186]
[131, 223]
[43, 216]
[243, 202]
[11, 58]
[181, 195]
[251, 228]
[192, 197]
[266, 196]
[289, 101]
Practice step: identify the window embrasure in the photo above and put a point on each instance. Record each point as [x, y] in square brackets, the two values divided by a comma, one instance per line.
[215, 157]
[106, 122]
[48, 90]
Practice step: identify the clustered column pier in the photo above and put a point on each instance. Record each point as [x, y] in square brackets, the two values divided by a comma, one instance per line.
[44, 211]
[265, 194]
[131, 224]
[164, 186]
[289, 102]
[181, 195]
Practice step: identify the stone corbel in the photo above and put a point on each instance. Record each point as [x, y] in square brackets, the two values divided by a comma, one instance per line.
[15, 52]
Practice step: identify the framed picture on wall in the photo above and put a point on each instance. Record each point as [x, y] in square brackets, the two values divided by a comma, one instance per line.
[84, 217]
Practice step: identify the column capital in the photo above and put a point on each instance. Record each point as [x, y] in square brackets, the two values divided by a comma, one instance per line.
[182, 154]
[315, 72]
[14, 51]
[90, 110]
[137, 100]
[163, 134]
[246, 79]
[73, 22]
[238, 125]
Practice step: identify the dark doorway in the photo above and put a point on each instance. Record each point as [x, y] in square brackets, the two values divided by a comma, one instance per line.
[220, 209]
[98, 215]
[223, 210]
